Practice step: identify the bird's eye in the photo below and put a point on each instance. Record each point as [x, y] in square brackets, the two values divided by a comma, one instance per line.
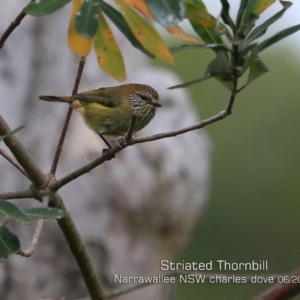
[143, 97]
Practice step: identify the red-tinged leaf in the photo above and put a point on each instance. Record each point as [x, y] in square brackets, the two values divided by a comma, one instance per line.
[117, 18]
[203, 23]
[178, 32]
[145, 33]
[78, 44]
[109, 56]
[140, 6]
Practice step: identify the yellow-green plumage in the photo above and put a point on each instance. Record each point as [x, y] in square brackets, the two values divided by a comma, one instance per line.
[108, 111]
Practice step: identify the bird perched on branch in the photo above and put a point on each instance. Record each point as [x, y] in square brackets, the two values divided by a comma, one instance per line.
[108, 111]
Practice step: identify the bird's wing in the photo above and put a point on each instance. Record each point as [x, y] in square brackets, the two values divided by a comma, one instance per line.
[102, 96]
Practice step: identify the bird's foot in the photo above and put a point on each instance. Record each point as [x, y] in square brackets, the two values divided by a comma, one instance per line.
[104, 151]
[121, 142]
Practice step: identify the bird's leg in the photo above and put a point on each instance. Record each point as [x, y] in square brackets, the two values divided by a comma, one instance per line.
[107, 144]
[123, 141]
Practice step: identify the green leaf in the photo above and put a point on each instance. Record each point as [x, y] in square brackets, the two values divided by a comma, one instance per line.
[243, 30]
[259, 6]
[276, 38]
[167, 13]
[226, 16]
[261, 30]
[257, 67]
[86, 22]
[199, 3]
[247, 49]
[220, 68]
[189, 83]
[117, 18]
[12, 132]
[45, 7]
[37, 213]
[12, 211]
[215, 47]
[248, 14]
[241, 13]
[9, 243]
[203, 23]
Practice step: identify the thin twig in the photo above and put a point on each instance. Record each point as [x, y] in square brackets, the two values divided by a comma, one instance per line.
[111, 152]
[30, 250]
[13, 162]
[67, 119]
[281, 291]
[17, 195]
[206, 277]
[14, 24]
[220, 116]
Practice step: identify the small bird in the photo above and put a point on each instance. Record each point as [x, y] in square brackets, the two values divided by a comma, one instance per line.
[108, 111]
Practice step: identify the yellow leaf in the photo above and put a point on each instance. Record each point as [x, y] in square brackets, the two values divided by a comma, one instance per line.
[140, 6]
[177, 31]
[77, 43]
[109, 56]
[260, 6]
[145, 33]
[200, 16]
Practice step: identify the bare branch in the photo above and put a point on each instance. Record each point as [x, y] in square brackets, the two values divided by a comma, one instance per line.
[30, 250]
[282, 291]
[79, 251]
[17, 195]
[220, 116]
[13, 162]
[108, 155]
[14, 24]
[68, 118]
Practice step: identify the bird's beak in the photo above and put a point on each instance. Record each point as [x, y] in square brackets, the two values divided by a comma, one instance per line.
[156, 104]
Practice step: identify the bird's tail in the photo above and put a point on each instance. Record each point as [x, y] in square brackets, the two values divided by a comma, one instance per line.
[56, 99]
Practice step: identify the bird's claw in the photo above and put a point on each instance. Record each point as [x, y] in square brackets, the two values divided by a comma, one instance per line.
[104, 151]
[121, 142]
